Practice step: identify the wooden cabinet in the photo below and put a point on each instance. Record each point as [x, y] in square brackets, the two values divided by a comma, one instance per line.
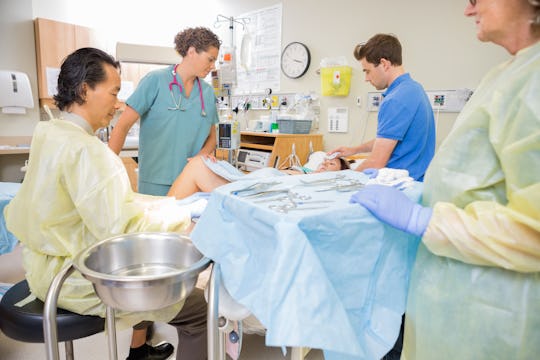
[134, 72]
[281, 145]
[54, 41]
[131, 74]
[132, 171]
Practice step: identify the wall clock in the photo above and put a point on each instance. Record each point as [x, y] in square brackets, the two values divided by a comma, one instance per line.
[295, 60]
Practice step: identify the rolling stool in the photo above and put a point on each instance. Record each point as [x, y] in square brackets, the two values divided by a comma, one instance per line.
[26, 323]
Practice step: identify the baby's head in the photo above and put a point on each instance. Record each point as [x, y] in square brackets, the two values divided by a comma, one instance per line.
[333, 165]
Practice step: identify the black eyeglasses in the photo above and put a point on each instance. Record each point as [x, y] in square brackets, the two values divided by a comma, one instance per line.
[473, 2]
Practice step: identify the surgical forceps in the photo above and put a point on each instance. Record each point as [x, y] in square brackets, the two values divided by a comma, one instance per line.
[254, 189]
[271, 199]
[292, 204]
[268, 193]
[289, 196]
[338, 183]
[265, 193]
[353, 185]
[321, 181]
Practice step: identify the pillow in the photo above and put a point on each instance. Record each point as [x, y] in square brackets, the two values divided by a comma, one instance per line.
[315, 159]
[7, 239]
[8, 189]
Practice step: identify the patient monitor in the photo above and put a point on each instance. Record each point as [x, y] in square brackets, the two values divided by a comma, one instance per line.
[250, 160]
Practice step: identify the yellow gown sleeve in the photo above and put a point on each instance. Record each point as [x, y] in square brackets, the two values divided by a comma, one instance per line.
[485, 233]
[485, 188]
[102, 197]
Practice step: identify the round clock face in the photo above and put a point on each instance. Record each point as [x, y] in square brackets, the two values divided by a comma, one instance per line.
[295, 60]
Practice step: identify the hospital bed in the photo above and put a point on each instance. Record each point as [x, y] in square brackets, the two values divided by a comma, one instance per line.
[331, 277]
[7, 239]
[324, 275]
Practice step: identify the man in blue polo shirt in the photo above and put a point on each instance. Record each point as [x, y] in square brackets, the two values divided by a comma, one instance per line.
[406, 126]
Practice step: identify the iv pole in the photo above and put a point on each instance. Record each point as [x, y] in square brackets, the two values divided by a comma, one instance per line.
[231, 20]
[243, 22]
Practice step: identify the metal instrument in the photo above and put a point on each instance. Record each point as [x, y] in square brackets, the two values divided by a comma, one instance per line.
[294, 200]
[344, 187]
[254, 189]
[322, 181]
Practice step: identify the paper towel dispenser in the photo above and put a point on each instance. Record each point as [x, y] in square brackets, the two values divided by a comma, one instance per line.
[15, 92]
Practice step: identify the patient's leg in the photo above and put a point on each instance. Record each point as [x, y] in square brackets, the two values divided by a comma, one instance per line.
[195, 177]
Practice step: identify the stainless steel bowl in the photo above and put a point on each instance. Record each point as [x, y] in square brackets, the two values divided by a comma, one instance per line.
[142, 271]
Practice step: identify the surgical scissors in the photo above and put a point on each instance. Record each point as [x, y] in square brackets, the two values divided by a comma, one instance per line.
[292, 204]
[285, 209]
[266, 193]
[322, 181]
[344, 185]
[354, 185]
[294, 195]
[271, 199]
[261, 187]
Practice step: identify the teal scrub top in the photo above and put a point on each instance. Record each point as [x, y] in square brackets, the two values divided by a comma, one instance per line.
[169, 136]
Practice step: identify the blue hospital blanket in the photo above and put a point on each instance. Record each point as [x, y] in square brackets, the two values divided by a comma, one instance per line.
[335, 279]
[7, 239]
[230, 173]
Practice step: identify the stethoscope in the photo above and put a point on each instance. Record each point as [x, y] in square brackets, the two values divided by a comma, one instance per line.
[177, 105]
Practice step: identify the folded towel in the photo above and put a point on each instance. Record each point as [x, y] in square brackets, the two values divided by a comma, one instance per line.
[393, 177]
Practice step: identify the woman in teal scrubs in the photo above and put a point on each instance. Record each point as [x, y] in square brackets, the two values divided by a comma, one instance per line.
[177, 111]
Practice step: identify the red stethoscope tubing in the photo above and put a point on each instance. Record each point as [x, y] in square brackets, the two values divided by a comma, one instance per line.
[175, 82]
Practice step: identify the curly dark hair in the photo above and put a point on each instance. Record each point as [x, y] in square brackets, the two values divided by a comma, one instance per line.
[85, 65]
[200, 38]
[380, 46]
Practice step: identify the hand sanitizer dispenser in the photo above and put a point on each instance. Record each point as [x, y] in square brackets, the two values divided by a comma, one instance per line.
[15, 92]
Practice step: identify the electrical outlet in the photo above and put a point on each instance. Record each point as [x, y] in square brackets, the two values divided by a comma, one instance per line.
[448, 100]
[439, 99]
[374, 100]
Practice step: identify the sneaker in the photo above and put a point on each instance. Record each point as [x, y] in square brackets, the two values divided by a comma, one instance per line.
[161, 351]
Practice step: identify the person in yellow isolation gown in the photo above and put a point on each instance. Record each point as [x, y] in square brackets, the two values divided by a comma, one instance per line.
[76, 192]
[475, 287]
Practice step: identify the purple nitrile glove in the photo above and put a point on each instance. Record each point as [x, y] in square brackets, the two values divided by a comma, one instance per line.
[391, 206]
[371, 172]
